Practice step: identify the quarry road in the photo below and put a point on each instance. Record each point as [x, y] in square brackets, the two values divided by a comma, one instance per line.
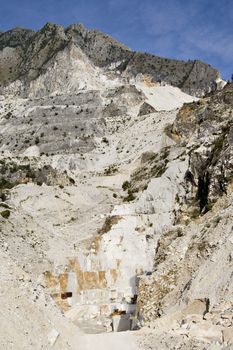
[111, 341]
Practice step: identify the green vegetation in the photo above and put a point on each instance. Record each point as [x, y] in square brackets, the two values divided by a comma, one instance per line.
[2, 196]
[228, 178]
[5, 184]
[218, 145]
[130, 197]
[4, 205]
[125, 185]
[195, 213]
[110, 170]
[5, 213]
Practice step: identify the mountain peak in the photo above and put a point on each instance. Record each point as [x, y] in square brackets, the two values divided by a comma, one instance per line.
[79, 27]
[52, 28]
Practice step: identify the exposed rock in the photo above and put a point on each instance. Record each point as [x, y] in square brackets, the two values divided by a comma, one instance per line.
[15, 37]
[52, 337]
[228, 335]
[115, 196]
[146, 109]
[197, 307]
[207, 332]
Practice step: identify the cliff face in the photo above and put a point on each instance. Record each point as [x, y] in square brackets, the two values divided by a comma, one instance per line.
[193, 257]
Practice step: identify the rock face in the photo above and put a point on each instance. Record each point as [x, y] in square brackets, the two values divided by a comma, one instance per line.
[192, 255]
[208, 129]
[115, 195]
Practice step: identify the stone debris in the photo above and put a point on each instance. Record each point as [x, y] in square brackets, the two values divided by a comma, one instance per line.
[228, 335]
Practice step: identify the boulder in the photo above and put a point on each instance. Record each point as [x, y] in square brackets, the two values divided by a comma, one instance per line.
[196, 307]
[145, 109]
[121, 323]
[52, 336]
[228, 335]
[206, 331]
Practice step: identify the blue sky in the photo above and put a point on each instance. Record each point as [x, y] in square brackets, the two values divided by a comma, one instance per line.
[182, 29]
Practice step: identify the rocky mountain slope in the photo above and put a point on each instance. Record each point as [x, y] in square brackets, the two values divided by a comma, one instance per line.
[115, 196]
[26, 56]
[193, 260]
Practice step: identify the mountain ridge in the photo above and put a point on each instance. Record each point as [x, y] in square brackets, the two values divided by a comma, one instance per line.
[34, 49]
